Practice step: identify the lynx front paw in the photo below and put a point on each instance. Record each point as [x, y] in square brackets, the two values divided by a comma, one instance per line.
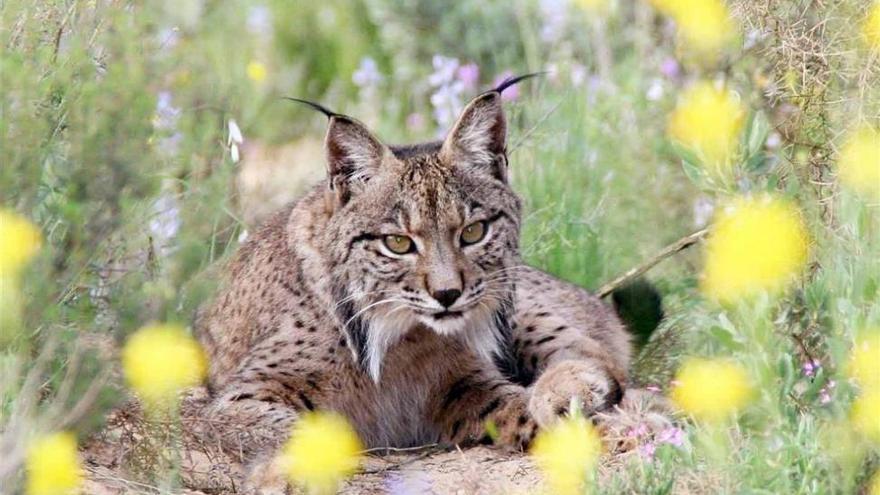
[584, 381]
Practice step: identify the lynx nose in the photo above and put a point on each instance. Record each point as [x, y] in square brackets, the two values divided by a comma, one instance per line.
[446, 297]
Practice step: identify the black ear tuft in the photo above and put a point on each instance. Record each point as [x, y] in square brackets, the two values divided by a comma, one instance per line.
[315, 106]
[510, 81]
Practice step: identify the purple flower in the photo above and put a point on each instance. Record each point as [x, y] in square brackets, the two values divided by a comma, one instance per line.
[670, 68]
[810, 368]
[259, 20]
[169, 38]
[446, 98]
[166, 115]
[555, 15]
[578, 75]
[415, 122]
[469, 75]
[367, 74]
[638, 431]
[444, 70]
[510, 93]
[672, 436]
[647, 450]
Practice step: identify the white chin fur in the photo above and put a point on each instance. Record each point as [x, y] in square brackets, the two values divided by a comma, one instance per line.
[475, 328]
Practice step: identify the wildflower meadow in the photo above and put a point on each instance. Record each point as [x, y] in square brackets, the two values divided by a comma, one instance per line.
[726, 152]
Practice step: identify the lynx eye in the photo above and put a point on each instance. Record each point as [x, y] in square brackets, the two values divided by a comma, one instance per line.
[473, 233]
[399, 244]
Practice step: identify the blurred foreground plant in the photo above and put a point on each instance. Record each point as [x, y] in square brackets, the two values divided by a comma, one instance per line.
[708, 121]
[567, 454]
[859, 160]
[322, 451]
[160, 361]
[756, 244]
[53, 466]
[711, 389]
[705, 27]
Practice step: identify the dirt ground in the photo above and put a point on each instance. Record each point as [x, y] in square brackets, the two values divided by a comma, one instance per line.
[120, 459]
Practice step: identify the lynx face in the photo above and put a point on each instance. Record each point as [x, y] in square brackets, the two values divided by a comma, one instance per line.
[422, 235]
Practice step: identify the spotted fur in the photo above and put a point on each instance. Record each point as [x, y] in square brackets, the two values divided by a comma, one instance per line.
[317, 313]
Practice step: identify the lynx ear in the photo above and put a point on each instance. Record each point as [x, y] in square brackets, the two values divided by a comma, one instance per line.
[479, 137]
[353, 155]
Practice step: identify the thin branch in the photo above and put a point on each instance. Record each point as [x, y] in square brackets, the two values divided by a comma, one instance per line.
[679, 245]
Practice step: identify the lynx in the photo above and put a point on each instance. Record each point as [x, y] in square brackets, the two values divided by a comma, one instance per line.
[394, 294]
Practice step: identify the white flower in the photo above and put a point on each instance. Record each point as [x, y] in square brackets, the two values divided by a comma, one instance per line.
[234, 141]
[655, 90]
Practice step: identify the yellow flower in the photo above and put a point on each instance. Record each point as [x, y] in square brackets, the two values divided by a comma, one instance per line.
[19, 241]
[864, 362]
[874, 485]
[871, 26]
[711, 389]
[256, 71]
[859, 161]
[708, 121]
[756, 244]
[865, 415]
[52, 465]
[322, 451]
[704, 26]
[567, 454]
[161, 360]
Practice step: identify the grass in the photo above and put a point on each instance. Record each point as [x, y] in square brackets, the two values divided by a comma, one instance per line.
[113, 131]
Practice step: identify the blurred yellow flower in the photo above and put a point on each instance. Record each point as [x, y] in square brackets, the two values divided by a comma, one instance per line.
[52, 465]
[567, 453]
[19, 241]
[755, 244]
[874, 485]
[711, 389]
[704, 26]
[161, 360]
[256, 71]
[865, 414]
[708, 121]
[871, 25]
[864, 362]
[858, 165]
[322, 451]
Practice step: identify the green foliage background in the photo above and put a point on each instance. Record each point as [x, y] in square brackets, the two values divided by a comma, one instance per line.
[85, 154]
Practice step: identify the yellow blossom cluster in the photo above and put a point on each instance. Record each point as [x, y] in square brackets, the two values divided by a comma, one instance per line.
[52, 465]
[20, 240]
[863, 367]
[708, 120]
[256, 71]
[858, 164]
[711, 389]
[567, 454]
[705, 27]
[871, 26]
[160, 361]
[322, 451]
[756, 244]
